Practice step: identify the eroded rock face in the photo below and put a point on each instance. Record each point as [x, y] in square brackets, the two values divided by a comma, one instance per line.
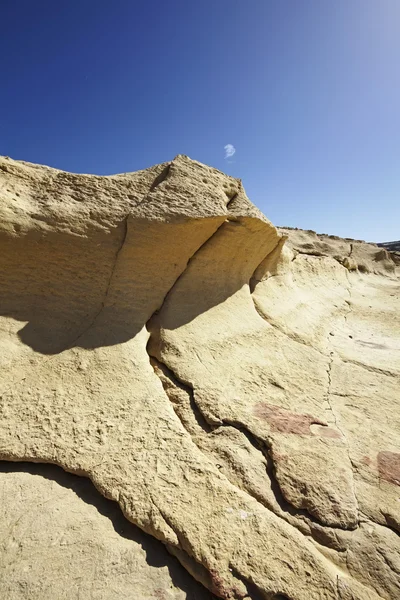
[59, 538]
[236, 392]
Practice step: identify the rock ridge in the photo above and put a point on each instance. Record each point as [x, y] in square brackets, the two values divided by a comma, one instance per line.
[231, 385]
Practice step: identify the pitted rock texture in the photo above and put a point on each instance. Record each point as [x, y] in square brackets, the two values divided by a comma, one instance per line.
[59, 538]
[232, 386]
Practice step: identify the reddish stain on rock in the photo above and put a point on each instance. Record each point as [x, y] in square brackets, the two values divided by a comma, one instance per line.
[329, 432]
[219, 588]
[284, 421]
[389, 467]
[366, 461]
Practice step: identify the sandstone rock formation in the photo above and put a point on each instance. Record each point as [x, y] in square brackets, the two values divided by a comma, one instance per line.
[233, 387]
[59, 538]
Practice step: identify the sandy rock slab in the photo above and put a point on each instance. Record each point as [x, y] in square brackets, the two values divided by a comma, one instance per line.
[59, 538]
[234, 388]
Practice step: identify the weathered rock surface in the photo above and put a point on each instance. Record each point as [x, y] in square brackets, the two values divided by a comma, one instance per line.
[59, 538]
[234, 391]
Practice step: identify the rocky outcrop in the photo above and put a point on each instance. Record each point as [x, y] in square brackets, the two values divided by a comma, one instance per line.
[394, 249]
[233, 387]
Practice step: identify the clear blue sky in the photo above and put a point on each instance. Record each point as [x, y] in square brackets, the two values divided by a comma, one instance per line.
[307, 91]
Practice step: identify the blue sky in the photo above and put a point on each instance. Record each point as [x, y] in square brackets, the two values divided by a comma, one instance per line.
[307, 92]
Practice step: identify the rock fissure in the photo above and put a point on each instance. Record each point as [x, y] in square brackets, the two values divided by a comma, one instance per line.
[369, 368]
[165, 299]
[389, 563]
[285, 506]
[330, 404]
[258, 444]
[339, 428]
[72, 343]
[284, 510]
[328, 397]
[207, 427]
[175, 381]
[268, 264]
[253, 591]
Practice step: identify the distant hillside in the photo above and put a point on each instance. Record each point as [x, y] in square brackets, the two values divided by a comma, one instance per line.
[392, 246]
